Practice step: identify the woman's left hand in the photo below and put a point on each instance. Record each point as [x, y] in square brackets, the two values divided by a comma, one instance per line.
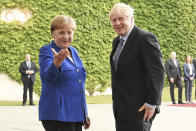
[87, 123]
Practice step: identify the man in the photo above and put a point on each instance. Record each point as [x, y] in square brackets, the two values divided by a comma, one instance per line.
[194, 62]
[174, 76]
[28, 70]
[137, 72]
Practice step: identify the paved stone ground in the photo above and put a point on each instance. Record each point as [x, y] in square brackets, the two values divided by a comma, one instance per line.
[25, 118]
[11, 90]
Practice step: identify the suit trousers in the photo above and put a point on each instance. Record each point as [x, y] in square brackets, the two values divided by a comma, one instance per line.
[188, 89]
[28, 84]
[51, 125]
[178, 83]
[137, 125]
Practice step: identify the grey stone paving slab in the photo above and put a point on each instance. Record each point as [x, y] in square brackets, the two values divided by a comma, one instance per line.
[25, 118]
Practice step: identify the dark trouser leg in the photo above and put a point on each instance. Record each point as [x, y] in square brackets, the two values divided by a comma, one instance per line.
[133, 125]
[50, 125]
[179, 85]
[25, 88]
[190, 90]
[31, 83]
[172, 92]
[148, 124]
[186, 89]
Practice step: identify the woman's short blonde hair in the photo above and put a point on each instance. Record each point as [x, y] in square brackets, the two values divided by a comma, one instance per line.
[61, 21]
[121, 9]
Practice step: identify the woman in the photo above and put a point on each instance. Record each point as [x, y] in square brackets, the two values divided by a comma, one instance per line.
[62, 105]
[189, 74]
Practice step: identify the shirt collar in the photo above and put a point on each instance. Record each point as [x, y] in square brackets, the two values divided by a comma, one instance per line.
[127, 35]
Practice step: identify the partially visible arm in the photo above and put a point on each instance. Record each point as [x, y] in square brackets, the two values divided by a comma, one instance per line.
[22, 69]
[152, 59]
[167, 69]
[193, 69]
[48, 71]
[185, 71]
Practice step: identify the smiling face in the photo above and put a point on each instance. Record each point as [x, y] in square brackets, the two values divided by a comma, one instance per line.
[121, 17]
[63, 37]
[121, 24]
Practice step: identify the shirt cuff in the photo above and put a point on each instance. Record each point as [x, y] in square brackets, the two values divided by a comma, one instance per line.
[151, 106]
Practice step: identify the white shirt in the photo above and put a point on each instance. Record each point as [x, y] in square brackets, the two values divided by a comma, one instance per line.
[191, 70]
[175, 63]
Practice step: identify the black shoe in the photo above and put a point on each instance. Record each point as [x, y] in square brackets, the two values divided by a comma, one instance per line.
[180, 102]
[23, 104]
[32, 104]
[174, 102]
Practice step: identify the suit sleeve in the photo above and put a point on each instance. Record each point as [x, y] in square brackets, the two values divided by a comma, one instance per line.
[180, 71]
[35, 69]
[152, 60]
[167, 70]
[185, 71]
[22, 69]
[48, 71]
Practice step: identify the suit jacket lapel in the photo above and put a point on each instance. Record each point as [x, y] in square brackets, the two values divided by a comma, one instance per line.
[114, 46]
[128, 45]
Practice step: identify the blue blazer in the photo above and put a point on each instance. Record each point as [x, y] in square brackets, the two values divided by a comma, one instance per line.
[63, 90]
[187, 71]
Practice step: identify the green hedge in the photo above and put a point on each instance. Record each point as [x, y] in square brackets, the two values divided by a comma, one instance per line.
[173, 21]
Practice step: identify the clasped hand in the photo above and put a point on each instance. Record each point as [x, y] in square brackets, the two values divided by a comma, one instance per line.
[60, 56]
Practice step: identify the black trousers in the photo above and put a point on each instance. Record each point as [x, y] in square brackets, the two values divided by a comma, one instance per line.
[178, 83]
[51, 125]
[136, 125]
[28, 85]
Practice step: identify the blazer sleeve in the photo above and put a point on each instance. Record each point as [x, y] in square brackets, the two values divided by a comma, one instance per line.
[153, 63]
[186, 74]
[48, 71]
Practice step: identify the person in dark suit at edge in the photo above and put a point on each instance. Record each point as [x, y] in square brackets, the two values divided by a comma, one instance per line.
[174, 77]
[28, 70]
[137, 72]
[194, 63]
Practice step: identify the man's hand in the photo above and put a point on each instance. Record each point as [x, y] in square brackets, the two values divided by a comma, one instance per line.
[182, 79]
[29, 72]
[87, 123]
[60, 56]
[149, 112]
[171, 80]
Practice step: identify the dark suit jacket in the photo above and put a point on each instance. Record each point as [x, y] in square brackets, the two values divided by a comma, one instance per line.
[194, 63]
[172, 70]
[23, 68]
[140, 75]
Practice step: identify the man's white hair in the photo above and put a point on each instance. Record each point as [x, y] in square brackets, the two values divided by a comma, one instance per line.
[121, 9]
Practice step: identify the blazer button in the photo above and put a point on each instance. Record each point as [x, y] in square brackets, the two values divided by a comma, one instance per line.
[77, 70]
[81, 91]
[79, 80]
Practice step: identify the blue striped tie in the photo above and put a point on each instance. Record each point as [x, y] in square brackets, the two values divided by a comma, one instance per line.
[117, 54]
